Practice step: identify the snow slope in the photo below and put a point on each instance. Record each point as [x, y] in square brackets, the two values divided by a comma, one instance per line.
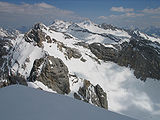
[23, 103]
[90, 32]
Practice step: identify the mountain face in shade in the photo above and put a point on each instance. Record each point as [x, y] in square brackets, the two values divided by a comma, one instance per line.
[29, 103]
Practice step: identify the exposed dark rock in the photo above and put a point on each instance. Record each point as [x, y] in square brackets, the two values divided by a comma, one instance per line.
[36, 35]
[83, 60]
[10, 80]
[108, 26]
[27, 59]
[3, 50]
[142, 57]
[48, 39]
[52, 72]
[102, 96]
[104, 53]
[69, 52]
[92, 94]
[39, 26]
[4, 84]
[67, 36]
[5, 47]
[17, 80]
[73, 52]
[76, 53]
[76, 96]
[139, 54]
[85, 45]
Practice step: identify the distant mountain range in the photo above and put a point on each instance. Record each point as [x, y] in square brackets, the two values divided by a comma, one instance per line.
[152, 30]
[155, 31]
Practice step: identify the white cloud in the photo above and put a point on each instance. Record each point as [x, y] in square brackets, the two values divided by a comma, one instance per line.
[133, 14]
[102, 17]
[28, 14]
[44, 5]
[126, 15]
[121, 9]
[34, 9]
[152, 10]
[129, 17]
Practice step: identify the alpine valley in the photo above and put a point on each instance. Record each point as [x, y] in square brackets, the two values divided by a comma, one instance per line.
[106, 66]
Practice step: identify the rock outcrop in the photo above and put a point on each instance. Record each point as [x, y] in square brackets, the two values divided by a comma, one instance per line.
[104, 53]
[83, 44]
[5, 45]
[11, 80]
[141, 55]
[73, 52]
[52, 72]
[92, 94]
[3, 84]
[18, 79]
[68, 51]
[108, 26]
[36, 35]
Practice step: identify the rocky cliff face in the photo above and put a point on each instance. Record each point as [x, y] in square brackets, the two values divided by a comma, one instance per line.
[141, 55]
[94, 94]
[104, 53]
[7, 39]
[36, 35]
[52, 72]
[5, 46]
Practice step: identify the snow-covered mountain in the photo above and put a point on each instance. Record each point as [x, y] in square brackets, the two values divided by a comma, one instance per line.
[8, 32]
[99, 64]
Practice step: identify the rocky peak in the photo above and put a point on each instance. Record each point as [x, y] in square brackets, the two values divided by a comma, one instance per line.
[87, 22]
[39, 26]
[36, 34]
[107, 26]
[59, 25]
[92, 94]
[59, 22]
[52, 72]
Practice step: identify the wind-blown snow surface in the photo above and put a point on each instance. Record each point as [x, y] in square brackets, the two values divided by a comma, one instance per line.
[126, 94]
[23, 103]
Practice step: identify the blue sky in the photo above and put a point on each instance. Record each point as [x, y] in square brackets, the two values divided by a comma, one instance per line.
[93, 7]
[139, 13]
